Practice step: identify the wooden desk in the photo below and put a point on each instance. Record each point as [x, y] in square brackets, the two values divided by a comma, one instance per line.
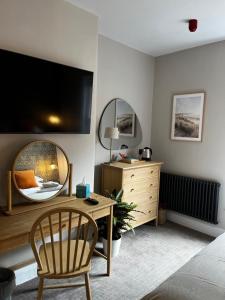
[15, 230]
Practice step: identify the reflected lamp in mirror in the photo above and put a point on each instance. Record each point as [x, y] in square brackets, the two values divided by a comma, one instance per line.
[111, 133]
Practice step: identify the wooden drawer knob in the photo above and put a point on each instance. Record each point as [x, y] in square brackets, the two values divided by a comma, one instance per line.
[150, 197]
[151, 184]
[132, 176]
[132, 190]
[152, 172]
[149, 211]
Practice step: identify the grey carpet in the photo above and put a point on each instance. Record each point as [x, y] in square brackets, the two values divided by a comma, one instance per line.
[146, 259]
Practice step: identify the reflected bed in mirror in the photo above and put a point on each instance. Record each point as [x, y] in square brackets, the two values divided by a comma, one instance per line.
[118, 113]
[40, 171]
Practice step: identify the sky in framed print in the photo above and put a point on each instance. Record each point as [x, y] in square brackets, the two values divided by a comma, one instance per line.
[187, 117]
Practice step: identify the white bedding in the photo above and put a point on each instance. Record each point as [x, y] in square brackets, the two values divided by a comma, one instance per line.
[39, 193]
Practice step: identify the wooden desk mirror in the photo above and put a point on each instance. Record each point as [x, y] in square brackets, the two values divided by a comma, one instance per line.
[39, 174]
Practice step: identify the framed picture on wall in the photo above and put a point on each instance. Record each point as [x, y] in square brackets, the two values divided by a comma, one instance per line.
[124, 119]
[187, 117]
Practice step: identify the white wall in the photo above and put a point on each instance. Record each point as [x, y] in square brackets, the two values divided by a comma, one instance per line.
[57, 31]
[128, 74]
[198, 69]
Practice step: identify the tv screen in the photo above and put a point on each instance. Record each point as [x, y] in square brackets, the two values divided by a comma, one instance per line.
[39, 96]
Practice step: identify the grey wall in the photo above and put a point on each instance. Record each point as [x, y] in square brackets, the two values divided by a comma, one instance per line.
[198, 69]
[128, 74]
[58, 31]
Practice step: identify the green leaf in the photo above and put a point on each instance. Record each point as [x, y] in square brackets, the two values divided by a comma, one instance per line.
[119, 195]
[122, 213]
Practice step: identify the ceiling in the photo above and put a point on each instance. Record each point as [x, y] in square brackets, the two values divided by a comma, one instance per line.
[158, 27]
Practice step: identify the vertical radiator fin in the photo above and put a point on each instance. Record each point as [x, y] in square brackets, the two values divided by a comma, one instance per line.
[194, 197]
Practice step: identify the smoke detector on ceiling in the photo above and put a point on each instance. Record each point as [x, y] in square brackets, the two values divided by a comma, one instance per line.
[193, 25]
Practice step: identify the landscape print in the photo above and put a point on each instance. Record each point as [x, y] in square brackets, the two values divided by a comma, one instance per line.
[124, 119]
[187, 117]
[125, 124]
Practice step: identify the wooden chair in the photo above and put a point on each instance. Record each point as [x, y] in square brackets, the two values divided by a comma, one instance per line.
[60, 258]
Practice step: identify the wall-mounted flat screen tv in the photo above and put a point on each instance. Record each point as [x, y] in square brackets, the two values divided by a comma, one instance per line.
[39, 96]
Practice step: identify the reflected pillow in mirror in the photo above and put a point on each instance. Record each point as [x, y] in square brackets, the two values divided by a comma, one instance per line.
[25, 179]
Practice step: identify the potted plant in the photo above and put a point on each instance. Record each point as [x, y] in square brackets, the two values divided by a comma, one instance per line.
[122, 218]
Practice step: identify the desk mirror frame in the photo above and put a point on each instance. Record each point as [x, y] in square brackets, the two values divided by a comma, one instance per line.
[11, 179]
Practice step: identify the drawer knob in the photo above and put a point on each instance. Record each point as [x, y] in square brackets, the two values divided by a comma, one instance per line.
[151, 184]
[150, 197]
[132, 176]
[149, 211]
[152, 172]
[132, 190]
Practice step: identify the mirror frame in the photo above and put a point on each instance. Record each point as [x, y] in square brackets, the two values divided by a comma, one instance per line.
[13, 169]
[100, 120]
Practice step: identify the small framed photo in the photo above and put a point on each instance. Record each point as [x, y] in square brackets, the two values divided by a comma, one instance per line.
[124, 119]
[187, 117]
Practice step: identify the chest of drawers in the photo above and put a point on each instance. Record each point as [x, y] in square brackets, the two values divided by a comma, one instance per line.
[140, 184]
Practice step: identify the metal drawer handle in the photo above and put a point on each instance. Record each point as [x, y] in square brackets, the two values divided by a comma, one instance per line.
[132, 190]
[132, 176]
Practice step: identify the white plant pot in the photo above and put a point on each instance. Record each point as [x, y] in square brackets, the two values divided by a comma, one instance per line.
[115, 247]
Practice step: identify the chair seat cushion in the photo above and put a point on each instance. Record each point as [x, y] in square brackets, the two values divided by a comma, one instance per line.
[61, 263]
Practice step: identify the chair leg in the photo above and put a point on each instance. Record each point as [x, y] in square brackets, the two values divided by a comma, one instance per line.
[87, 285]
[40, 288]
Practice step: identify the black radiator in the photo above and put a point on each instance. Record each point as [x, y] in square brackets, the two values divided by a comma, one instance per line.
[194, 197]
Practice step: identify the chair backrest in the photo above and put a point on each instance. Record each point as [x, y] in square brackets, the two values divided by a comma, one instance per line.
[52, 225]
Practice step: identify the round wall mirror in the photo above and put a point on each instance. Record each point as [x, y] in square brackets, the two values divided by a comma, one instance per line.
[118, 113]
[40, 170]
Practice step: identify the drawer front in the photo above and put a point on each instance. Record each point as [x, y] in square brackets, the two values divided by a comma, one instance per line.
[140, 174]
[144, 186]
[101, 213]
[147, 208]
[147, 212]
[140, 198]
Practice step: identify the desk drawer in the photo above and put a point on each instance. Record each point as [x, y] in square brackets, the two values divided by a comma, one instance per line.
[101, 213]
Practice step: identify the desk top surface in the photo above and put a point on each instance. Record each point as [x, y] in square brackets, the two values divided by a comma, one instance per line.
[17, 225]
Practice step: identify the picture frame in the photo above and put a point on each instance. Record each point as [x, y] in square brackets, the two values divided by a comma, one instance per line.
[125, 119]
[187, 117]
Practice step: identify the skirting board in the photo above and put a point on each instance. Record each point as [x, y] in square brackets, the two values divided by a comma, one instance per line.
[26, 273]
[201, 226]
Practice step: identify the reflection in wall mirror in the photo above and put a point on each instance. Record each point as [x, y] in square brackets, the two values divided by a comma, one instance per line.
[119, 113]
[40, 170]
